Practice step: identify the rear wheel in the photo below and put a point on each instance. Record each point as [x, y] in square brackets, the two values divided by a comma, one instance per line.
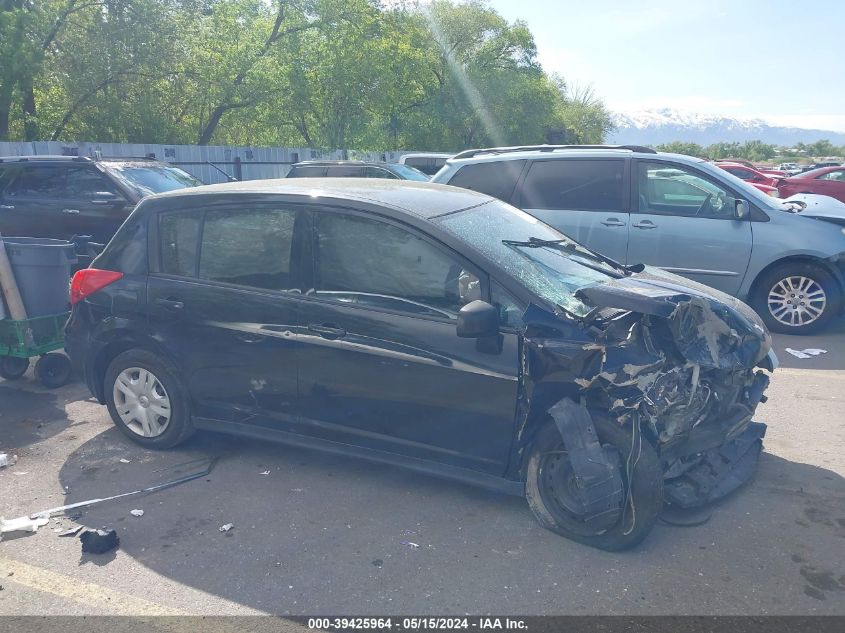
[146, 400]
[12, 368]
[796, 298]
[549, 479]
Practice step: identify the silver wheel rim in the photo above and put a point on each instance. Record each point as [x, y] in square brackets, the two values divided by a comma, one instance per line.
[142, 402]
[797, 301]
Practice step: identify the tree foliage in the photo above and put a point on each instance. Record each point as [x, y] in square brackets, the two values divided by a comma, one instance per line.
[323, 73]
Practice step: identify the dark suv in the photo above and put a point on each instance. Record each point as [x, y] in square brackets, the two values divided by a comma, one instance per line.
[63, 196]
[429, 327]
[354, 169]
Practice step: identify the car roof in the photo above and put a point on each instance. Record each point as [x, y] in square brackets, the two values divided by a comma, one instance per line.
[562, 152]
[426, 155]
[327, 163]
[812, 173]
[423, 199]
[139, 160]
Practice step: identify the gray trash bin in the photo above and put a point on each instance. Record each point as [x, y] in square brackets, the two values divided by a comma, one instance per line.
[42, 271]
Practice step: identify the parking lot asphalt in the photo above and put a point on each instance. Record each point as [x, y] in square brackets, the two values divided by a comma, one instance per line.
[322, 534]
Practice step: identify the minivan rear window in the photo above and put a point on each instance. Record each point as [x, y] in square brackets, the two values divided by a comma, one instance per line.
[590, 185]
[496, 179]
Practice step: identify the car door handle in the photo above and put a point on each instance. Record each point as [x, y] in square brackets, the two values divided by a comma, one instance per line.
[645, 224]
[71, 211]
[170, 304]
[327, 330]
[7, 206]
[612, 222]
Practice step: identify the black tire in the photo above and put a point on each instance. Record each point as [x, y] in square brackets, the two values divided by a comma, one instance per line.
[12, 367]
[53, 370]
[179, 428]
[646, 487]
[771, 278]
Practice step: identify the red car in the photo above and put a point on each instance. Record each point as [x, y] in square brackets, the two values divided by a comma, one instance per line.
[766, 184]
[827, 181]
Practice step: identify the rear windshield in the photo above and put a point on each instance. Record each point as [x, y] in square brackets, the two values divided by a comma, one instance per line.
[150, 179]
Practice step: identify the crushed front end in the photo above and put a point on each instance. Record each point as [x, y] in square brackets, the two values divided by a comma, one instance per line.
[683, 362]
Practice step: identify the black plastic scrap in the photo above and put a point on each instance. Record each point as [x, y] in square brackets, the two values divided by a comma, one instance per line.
[597, 469]
[99, 541]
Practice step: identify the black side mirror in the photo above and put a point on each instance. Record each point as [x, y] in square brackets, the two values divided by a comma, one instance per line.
[478, 319]
[741, 209]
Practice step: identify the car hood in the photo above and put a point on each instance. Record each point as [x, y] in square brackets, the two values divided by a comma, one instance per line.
[819, 207]
[710, 328]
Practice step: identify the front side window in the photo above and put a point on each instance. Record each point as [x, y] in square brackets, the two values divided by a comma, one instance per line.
[496, 179]
[588, 185]
[673, 190]
[509, 307]
[85, 184]
[248, 248]
[371, 263]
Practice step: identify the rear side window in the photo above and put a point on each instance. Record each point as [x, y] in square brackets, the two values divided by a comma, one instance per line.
[590, 185]
[345, 171]
[179, 235]
[307, 172]
[39, 182]
[374, 264]
[248, 248]
[495, 179]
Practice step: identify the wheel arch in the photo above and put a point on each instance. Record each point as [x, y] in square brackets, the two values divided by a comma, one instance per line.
[796, 259]
[108, 352]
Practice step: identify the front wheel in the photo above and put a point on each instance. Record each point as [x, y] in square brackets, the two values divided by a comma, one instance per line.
[796, 298]
[549, 478]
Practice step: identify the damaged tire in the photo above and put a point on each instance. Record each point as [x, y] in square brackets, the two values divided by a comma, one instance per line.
[147, 401]
[547, 484]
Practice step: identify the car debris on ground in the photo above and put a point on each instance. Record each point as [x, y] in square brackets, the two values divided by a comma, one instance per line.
[226, 527]
[803, 354]
[99, 541]
[136, 513]
[8, 460]
[21, 524]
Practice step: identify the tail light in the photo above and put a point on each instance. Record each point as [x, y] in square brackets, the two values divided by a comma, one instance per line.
[88, 281]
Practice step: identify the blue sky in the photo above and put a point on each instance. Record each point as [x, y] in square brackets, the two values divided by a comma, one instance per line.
[779, 60]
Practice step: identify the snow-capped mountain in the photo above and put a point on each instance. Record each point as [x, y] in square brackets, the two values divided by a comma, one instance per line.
[652, 127]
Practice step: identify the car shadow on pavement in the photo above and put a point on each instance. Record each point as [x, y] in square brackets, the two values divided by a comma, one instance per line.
[29, 415]
[322, 534]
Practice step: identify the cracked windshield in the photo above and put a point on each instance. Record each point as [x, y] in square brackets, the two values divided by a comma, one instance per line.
[422, 315]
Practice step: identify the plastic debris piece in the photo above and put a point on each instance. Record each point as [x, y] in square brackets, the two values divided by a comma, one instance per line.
[99, 541]
[71, 531]
[21, 473]
[411, 545]
[123, 460]
[227, 527]
[806, 353]
[21, 524]
[136, 513]
[8, 460]
[266, 472]
[90, 502]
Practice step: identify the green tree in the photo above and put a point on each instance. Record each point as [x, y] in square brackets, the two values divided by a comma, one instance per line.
[680, 147]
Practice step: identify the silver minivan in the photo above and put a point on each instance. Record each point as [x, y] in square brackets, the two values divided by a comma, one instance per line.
[786, 258]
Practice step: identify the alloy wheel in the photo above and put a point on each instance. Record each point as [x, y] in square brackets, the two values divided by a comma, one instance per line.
[797, 301]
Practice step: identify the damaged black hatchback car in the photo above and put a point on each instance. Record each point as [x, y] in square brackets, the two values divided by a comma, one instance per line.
[430, 327]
